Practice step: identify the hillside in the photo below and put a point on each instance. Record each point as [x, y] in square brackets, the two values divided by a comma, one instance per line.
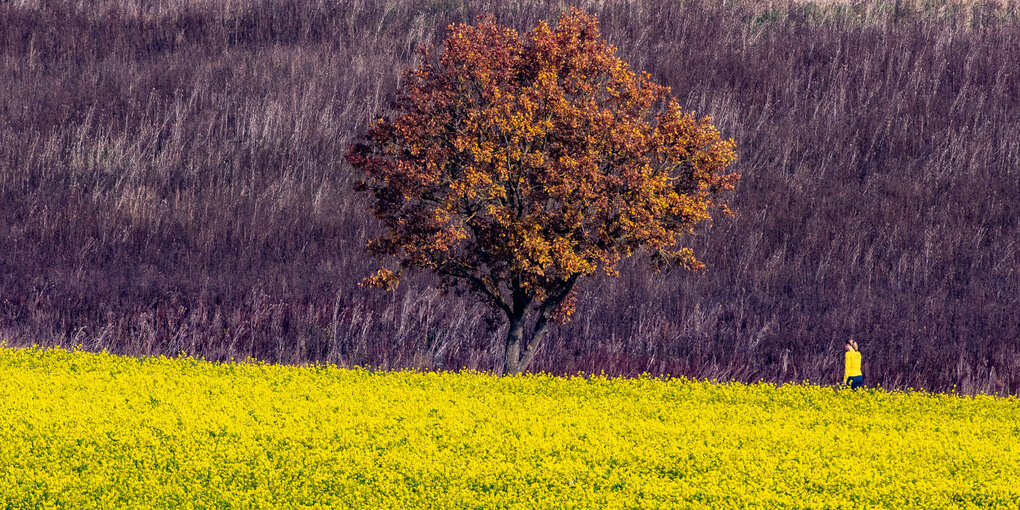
[171, 180]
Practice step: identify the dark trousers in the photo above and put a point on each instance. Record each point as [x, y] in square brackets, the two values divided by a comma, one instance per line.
[855, 382]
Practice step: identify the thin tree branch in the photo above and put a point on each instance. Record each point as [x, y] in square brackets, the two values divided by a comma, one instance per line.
[479, 285]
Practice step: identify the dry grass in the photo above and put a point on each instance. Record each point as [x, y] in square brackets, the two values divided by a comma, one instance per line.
[171, 179]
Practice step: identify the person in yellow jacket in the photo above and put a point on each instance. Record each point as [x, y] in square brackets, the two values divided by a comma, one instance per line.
[852, 375]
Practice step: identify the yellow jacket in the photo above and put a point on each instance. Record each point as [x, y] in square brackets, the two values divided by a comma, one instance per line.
[853, 365]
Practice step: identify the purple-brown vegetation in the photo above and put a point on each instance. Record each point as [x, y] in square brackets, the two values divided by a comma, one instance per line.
[171, 179]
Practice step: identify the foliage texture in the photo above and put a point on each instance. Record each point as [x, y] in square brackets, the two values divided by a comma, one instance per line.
[511, 165]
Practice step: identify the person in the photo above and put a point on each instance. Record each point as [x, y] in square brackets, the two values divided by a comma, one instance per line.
[852, 375]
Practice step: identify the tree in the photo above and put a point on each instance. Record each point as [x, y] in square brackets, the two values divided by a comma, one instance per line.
[512, 166]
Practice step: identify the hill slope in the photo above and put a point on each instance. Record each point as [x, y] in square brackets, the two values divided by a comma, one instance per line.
[171, 179]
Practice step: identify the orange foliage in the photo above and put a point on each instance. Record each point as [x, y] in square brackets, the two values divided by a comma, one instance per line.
[513, 164]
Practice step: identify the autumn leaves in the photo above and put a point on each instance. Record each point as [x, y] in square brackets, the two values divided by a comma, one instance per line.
[513, 164]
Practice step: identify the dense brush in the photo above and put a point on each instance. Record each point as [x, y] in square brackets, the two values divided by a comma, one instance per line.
[171, 179]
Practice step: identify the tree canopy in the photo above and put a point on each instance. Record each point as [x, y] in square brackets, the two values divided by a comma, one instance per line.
[512, 165]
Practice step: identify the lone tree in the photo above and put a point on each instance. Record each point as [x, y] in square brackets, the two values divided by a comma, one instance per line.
[512, 165]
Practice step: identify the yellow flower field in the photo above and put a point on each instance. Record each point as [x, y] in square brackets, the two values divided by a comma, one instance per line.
[81, 430]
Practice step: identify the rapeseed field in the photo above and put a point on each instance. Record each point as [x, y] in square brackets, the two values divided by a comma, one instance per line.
[82, 430]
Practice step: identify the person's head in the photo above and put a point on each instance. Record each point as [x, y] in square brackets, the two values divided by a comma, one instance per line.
[853, 343]
[849, 345]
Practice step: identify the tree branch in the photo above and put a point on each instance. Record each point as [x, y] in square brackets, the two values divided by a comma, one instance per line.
[479, 285]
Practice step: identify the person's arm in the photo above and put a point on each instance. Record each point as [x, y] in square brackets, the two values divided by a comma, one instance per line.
[846, 366]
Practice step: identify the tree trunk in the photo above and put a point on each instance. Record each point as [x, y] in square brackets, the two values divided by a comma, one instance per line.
[512, 355]
[520, 351]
